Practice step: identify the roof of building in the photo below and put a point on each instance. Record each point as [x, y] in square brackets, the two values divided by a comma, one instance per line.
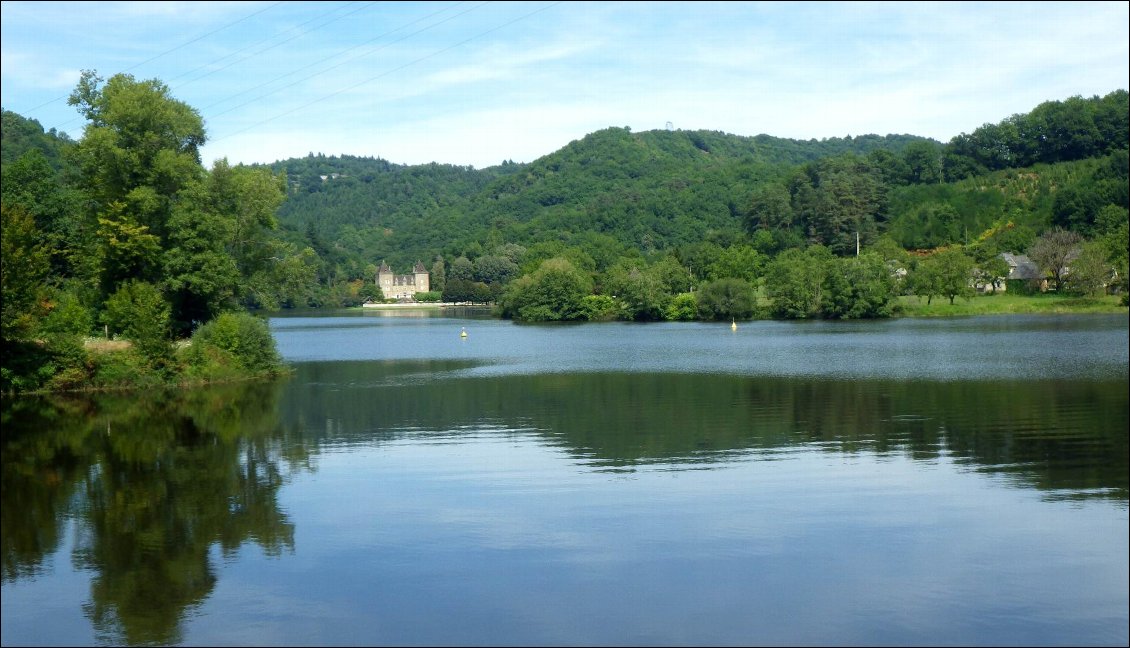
[1021, 267]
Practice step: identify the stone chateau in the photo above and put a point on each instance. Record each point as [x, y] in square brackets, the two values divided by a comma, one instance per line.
[403, 286]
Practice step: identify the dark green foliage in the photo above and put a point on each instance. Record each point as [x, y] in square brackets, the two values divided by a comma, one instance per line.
[641, 291]
[682, 308]
[794, 282]
[553, 293]
[947, 273]
[1091, 271]
[139, 312]
[839, 203]
[858, 288]
[1055, 131]
[246, 339]
[602, 308]
[724, 299]
[19, 135]
[24, 265]
[371, 292]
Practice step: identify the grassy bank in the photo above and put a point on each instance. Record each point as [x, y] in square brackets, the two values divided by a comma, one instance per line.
[1004, 304]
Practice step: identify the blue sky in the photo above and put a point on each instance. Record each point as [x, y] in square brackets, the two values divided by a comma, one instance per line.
[475, 83]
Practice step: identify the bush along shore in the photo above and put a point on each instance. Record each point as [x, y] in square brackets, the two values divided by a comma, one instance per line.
[232, 347]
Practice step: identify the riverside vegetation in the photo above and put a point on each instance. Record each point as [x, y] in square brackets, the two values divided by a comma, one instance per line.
[124, 235]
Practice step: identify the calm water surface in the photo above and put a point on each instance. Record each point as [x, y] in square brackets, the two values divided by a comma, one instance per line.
[903, 482]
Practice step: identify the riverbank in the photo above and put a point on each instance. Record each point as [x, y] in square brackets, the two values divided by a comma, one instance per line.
[1006, 304]
[420, 306]
[423, 306]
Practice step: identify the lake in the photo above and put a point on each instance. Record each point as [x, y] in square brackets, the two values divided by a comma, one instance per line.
[900, 482]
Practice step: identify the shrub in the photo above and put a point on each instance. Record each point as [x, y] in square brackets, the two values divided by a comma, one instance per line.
[682, 308]
[139, 311]
[245, 337]
[726, 299]
[601, 308]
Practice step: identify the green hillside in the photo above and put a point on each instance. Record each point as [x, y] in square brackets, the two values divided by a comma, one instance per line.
[648, 191]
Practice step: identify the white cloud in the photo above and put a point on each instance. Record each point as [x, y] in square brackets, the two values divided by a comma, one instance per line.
[488, 85]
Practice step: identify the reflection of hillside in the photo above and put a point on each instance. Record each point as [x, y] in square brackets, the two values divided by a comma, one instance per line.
[1062, 436]
[157, 482]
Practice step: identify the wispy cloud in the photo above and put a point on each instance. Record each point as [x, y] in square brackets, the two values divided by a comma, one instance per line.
[494, 81]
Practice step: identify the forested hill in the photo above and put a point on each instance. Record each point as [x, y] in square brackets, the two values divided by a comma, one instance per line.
[647, 191]
[615, 191]
[614, 194]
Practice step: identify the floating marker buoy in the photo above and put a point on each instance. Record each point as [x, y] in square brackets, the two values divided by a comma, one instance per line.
[733, 325]
[463, 333]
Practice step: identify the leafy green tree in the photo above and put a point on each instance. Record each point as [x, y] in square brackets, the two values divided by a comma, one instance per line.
[728, 298]
[990, 274]
[923, 162]
[924, 280]
[683, 307]
[1091, 272]
[66, 315]
[553, 293]
[247, 199]
[245, 337]
[438, 278]
[138, 311]
[839, 201]
[31, 183]
[643, 294]
[371, 292]
[287, 279]
[461, 270]
[202, 278]
[948, 272]
[858, 288]
[25, 264]
[495, 270]
[893, 167]
[602, 308]
[139, 149]
[697, 258]
[737, 262]
[794, 282]
[770, 209]
[1053, 252]
[672, 274]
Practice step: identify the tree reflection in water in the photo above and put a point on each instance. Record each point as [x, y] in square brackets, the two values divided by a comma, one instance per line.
[153, 483]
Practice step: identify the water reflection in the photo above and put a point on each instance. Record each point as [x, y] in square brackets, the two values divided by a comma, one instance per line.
[152, 484]
[1066, 437]
[157, 488]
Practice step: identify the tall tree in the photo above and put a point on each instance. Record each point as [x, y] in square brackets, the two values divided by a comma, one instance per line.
[139, 149]
[1054, 251]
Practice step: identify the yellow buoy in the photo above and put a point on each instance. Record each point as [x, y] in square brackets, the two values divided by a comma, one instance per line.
[733, 325]
[463, 333]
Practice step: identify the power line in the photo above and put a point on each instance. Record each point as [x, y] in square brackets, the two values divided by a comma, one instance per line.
[396, 69]
[265, 49]
[336, 55]
[169, 51]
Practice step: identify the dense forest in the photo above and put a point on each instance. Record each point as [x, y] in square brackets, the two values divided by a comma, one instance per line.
[123, 233]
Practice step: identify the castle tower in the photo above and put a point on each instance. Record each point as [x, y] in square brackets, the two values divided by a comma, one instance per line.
[385, 279]
[423, 279]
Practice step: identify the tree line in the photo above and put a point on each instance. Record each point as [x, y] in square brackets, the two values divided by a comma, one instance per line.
[129, 234]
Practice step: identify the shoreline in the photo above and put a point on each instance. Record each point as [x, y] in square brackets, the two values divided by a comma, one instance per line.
[422, 305]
